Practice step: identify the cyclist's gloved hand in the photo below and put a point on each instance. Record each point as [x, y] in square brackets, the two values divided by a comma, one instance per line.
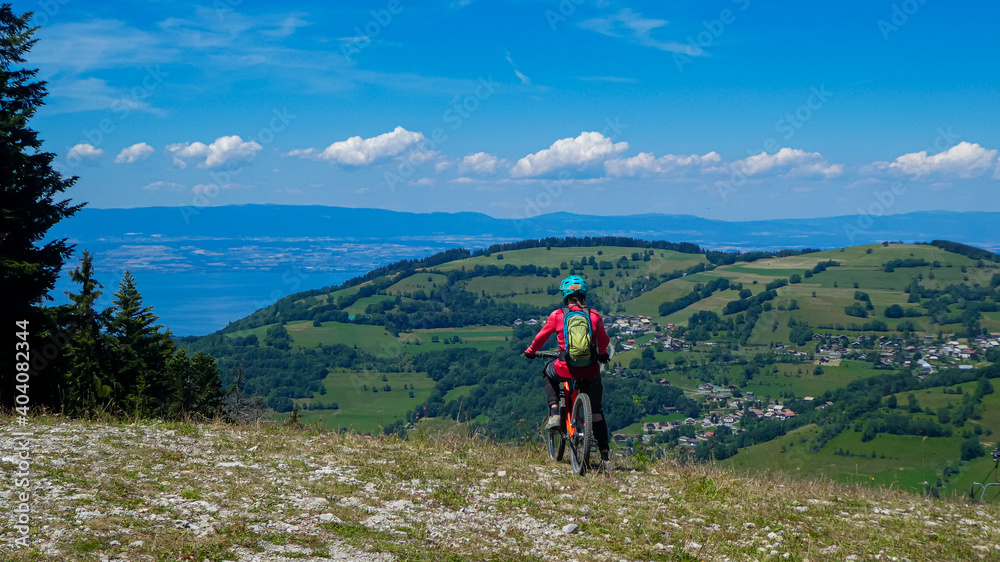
[529, 354]
[603, 358]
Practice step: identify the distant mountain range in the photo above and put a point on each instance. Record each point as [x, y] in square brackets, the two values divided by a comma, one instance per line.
[202, 268]
[276, 222]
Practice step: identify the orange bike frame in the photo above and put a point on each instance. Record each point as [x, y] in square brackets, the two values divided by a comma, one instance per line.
[570, 396]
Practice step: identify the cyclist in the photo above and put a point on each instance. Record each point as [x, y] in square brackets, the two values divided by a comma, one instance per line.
[588, 378]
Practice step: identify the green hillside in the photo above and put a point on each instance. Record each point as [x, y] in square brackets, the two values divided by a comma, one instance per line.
[828, 336]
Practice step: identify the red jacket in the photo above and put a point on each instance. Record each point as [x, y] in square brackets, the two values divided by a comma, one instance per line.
[555, 325]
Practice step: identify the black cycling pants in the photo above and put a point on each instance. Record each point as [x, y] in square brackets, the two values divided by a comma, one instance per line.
[594, 390]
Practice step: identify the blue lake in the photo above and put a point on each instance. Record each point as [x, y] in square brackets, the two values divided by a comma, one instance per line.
[195, 304]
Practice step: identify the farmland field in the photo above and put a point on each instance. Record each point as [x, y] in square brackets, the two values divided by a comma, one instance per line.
[479, 337]
[304, 334]
[368, 410]
[669, 261]
[789, 379]
[498, 285]
[648, 303]
[920, 459]
[425, 282]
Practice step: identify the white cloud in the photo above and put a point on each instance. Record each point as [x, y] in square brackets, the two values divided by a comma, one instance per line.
[629, 25]
[461, 180]
[793, 161]
[357, 151]
[135, 153]
[520, 75]
[287, 27]
[163, 186]
[423, 182]
[442, 165]
[865, 182]
[612, 79]
[964, 160]
[480, 163]
[418, 156]
[85, 46]
[221, 151]
[73, 94]
[645, 163]
[83, 152]
[588, 148]
[211, 188]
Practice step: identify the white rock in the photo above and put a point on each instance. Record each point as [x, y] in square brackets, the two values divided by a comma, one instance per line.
[570, 528]
[501, 473]
[329, 518]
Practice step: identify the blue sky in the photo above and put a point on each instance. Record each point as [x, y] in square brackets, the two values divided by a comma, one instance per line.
[728, 109]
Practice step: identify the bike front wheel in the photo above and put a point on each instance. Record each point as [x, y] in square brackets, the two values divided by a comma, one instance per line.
[556, 443]
[583, 434]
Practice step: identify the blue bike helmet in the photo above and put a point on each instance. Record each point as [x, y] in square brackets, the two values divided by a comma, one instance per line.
[573, 285]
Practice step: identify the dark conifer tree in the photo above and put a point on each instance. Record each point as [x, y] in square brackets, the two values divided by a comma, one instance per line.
[207, 399]
[30, 205]
[88, 382]
[142, 350]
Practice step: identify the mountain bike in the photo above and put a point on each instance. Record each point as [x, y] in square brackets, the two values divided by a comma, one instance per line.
[576, 427]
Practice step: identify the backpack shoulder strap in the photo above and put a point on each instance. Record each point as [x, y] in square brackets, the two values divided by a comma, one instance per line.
[565, 347]
[591, 323]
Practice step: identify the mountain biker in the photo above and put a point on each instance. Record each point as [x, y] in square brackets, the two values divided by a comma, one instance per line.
[588, 378]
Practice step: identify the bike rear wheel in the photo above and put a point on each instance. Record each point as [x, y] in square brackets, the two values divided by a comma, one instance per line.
[581, 443]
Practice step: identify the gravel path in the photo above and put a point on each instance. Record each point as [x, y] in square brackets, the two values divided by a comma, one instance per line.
[181, 492]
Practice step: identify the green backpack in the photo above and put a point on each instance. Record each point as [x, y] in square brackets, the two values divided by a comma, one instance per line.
[578, 334]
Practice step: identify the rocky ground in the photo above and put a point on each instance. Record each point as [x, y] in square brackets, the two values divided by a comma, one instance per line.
[158, 491]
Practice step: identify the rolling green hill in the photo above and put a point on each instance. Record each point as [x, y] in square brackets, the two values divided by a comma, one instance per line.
[445, 334]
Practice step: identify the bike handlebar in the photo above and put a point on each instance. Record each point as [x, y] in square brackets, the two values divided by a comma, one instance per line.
[553, 354]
